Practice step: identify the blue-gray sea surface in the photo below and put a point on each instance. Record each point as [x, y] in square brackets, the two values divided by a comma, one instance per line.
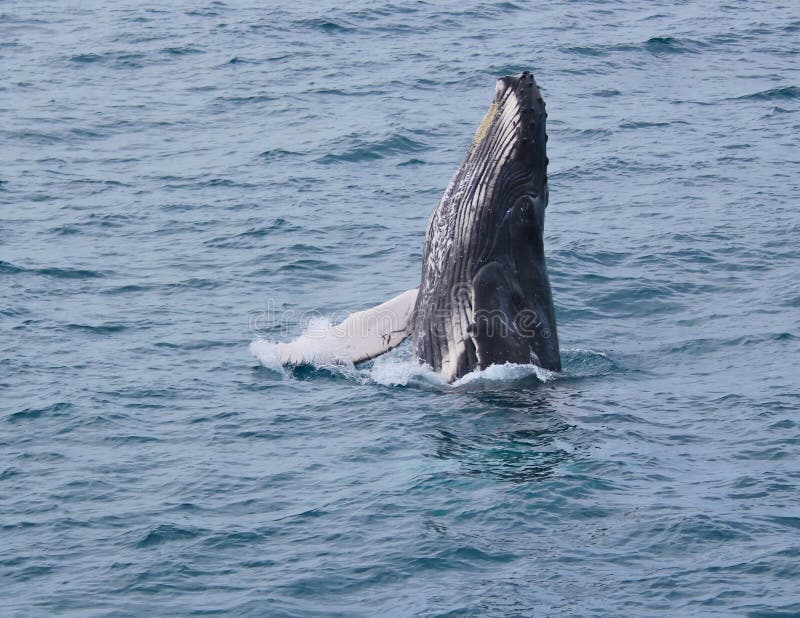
[177, 182]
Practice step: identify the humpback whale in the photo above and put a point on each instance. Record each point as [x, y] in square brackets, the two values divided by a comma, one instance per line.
[484, 296]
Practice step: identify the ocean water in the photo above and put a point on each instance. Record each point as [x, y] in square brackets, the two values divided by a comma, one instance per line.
[180, 180]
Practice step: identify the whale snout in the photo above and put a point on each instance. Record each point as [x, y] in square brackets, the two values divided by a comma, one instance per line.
[523, 85]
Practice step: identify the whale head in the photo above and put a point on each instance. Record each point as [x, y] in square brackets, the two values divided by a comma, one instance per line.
[485, 295]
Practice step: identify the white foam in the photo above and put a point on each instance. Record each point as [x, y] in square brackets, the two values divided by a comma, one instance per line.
[507, 372]
[400, 370]
[318, 347]
[583, 351]
[267, 353]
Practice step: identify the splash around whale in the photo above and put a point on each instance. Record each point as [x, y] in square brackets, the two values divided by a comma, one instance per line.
[484, 297]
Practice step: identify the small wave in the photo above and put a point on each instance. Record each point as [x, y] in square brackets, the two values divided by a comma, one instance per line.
[92, 223]
[6, 268]
[13, 312]
[646, 125]
[583, 363]
[86, 58]
[121, 59]
[194, 345]
[324, 25]
[181, 51]
[655, 45]
[164, 533]
[254, 98]
[368, 151]
[252, 236]
[607, 93]
[130, 439]
[205, 12]
[195, 283]
[356, 91]
[308, 264]
[229, 539]
[34, 137]
[589, 134]
[585, 51]
[412, 161]
[57, 409]
[126, 289]
[277, 154]
[773, 94]
[9, 473]
[106, 329]
[672, 45]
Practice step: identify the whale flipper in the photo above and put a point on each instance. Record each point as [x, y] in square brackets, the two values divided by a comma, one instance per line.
[361, 336]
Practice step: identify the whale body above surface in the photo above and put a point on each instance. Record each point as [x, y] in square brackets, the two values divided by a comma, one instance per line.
[484, 297]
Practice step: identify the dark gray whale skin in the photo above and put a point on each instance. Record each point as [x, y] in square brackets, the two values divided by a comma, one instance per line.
[485, 296]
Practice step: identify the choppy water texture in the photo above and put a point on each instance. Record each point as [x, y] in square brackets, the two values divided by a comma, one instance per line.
[173, 179]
